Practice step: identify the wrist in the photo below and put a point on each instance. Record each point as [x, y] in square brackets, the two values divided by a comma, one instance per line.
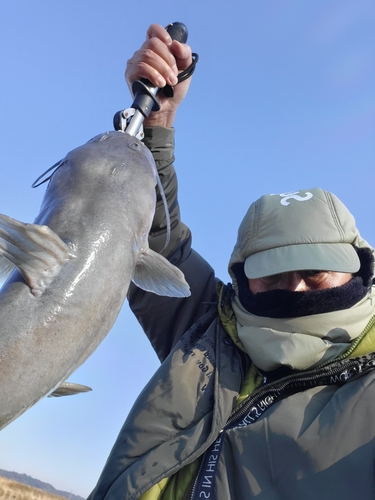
[160, 119]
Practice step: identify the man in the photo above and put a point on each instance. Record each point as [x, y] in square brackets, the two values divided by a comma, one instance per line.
[266, 386]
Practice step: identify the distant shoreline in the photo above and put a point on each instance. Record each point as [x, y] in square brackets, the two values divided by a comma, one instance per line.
[19, 484]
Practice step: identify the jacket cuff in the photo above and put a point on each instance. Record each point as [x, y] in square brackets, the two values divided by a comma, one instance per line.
[160, 141]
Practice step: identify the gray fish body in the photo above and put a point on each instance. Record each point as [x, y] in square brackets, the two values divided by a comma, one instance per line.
[100, 202]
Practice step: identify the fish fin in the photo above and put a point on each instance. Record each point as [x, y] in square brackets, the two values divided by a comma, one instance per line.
[6, 269]
[69, 389]
[37, 251]
[154, 273]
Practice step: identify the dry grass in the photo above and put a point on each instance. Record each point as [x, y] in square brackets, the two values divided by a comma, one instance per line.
[12, 490]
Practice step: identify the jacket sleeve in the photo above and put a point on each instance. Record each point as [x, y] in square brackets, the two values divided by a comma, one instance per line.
[166, 319]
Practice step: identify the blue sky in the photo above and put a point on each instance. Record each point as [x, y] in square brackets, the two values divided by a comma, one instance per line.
[283, 99]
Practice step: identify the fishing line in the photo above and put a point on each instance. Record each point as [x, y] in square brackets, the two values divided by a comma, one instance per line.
[167, 215]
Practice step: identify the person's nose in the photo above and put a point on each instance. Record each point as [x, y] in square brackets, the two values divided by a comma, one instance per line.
[294, 282]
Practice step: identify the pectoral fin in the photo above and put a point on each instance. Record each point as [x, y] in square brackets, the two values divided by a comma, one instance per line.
[37, 251]
[154, 273]
[6, 269]
[69, 389]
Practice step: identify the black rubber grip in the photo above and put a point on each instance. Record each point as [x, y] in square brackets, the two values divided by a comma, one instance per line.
[178, 31]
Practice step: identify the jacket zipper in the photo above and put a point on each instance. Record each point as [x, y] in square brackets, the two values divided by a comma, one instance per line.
[305, 380]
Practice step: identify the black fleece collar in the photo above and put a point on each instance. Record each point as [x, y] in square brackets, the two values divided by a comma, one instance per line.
[287, 304]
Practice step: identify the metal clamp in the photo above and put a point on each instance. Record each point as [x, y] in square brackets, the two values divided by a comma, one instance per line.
[122, 119]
